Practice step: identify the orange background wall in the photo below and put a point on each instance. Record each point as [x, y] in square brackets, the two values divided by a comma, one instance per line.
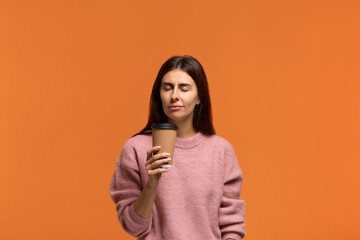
[75, 84]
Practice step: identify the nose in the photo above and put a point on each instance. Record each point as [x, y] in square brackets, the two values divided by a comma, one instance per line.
[174, 95]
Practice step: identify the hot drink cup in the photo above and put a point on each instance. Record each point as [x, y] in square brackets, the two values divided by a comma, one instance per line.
[164, 135]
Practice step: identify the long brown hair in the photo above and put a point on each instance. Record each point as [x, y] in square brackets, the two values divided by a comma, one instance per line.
[202, 120]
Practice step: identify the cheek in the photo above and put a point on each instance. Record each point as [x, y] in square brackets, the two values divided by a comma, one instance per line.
[194, 99]
[163, 99]
[162, 96]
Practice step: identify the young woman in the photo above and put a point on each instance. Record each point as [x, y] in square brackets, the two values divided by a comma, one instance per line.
[198, 197]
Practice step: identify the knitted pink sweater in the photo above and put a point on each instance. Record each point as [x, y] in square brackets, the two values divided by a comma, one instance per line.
[197, 199]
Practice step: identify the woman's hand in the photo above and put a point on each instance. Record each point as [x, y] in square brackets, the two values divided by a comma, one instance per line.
[152, 165]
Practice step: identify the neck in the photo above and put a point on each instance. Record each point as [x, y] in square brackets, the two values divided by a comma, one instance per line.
[185, 128]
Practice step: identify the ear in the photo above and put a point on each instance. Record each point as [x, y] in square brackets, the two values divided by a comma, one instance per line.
[198, 101]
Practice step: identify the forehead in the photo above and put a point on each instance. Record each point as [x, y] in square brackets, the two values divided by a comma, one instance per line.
[177, 76]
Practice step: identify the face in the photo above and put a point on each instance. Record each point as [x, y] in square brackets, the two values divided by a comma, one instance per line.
[179, 96]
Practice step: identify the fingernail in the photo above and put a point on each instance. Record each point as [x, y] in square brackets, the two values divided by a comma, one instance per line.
[167, 159]
[157, 146]
[167, 154]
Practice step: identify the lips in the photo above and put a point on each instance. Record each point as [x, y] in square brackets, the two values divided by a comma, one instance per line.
[175, 107]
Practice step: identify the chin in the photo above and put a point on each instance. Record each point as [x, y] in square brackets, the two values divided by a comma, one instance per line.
[176, 119]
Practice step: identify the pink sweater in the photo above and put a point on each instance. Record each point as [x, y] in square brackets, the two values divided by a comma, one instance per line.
[197, 199]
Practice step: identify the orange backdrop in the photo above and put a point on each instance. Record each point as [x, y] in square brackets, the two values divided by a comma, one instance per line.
[75, 84]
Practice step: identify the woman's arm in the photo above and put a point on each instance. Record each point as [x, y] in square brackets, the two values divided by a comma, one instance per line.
[126, 188]
[144, 204]
[231, 212]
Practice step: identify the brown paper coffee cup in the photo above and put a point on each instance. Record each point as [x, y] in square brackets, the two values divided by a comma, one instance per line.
[164, 135]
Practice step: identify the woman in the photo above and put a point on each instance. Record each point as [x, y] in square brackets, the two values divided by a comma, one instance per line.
[198, 198]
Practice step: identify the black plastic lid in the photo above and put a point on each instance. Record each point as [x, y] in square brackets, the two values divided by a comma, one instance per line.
[164, 126]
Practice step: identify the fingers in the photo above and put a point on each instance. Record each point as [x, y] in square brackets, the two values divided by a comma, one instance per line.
[156, 158]
[156, 164]
[158, 170]
[152, 150]
[154, 161]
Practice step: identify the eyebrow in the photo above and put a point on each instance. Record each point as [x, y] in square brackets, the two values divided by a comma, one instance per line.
[181, 84]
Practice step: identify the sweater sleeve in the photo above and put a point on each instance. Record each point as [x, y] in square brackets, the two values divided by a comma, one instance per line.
[125, 188]
[232, 209]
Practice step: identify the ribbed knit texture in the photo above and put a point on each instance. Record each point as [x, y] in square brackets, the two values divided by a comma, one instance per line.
[197, 199]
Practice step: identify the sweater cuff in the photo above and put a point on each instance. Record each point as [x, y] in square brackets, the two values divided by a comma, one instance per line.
[231, 235]
[138, 219]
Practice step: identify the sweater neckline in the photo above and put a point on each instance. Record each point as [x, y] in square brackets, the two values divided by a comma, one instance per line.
[189, 142]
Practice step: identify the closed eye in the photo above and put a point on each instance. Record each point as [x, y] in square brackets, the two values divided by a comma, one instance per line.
[167, 86]
[184, 89]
